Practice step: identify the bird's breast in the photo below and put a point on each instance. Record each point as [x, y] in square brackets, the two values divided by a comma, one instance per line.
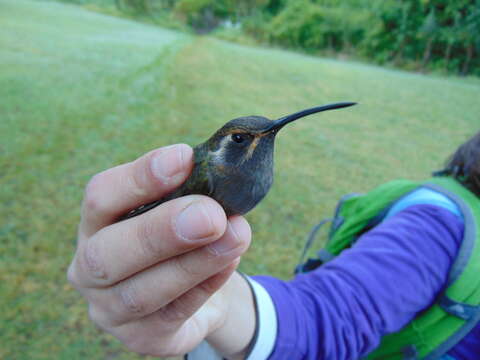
[240, 191]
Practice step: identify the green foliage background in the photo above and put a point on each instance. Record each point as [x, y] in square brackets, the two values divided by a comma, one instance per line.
[81, 92]
[441, 35]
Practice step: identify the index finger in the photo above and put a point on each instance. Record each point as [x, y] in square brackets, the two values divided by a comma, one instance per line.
[118, 190]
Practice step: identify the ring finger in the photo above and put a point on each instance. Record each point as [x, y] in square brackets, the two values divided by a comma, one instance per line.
[157, 286]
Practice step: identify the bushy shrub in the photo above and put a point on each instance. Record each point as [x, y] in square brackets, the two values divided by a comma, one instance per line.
[303, 24]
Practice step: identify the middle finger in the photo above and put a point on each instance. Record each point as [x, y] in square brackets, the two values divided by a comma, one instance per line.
[125, 248]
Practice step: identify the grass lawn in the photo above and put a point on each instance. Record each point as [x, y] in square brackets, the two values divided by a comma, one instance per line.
[81, 92]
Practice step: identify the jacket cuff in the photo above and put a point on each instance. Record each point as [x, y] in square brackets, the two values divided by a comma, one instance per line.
[265, 336]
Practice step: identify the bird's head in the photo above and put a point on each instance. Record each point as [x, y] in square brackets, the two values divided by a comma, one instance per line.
[249, 141]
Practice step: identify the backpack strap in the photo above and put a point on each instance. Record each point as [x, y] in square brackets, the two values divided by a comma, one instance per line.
[424, 195]
[467, 312]
[470, 232]
[323, 255]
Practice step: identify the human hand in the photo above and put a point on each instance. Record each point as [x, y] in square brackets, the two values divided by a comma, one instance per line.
[149, 280]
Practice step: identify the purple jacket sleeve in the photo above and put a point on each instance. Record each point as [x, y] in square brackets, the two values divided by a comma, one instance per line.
[341, 310]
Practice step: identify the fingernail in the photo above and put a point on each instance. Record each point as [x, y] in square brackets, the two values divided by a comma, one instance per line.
[227, 243]
[169, 162]
[195, 221]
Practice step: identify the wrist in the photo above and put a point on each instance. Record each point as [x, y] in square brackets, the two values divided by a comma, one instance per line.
[232, 335]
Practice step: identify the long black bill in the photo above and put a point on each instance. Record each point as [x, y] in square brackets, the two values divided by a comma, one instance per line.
[278, 124]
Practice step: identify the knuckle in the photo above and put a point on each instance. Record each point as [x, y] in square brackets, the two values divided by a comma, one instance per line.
[92, 199]
[131, 300]
[92, 262]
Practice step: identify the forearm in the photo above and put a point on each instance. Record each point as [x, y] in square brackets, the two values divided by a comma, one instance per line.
[234, 335]
[341, 310]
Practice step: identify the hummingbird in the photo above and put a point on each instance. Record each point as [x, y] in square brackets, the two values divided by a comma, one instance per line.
[235, 165]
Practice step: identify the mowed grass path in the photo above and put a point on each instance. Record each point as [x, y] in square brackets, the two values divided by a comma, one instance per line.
[81, 92]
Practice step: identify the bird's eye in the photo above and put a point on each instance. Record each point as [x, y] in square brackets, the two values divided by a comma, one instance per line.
[239, 138]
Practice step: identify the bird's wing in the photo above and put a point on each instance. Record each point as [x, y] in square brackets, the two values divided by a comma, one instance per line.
[200, 180]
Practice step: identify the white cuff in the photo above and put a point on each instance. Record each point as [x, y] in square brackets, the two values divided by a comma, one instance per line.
[265, 332]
